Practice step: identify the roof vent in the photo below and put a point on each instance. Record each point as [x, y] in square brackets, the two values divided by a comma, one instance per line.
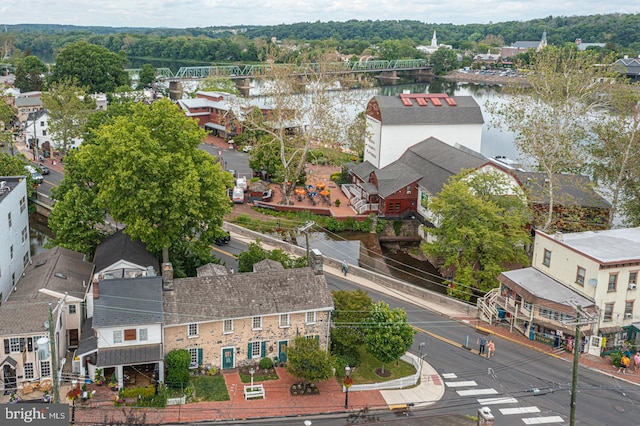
[59, 275]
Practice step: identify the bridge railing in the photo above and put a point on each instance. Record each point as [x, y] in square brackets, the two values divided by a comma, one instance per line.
[263, 69]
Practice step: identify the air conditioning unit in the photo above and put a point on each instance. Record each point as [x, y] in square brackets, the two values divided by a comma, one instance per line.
[633, 286]
[628, 315]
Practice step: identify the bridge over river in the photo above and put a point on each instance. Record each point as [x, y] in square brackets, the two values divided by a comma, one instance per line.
[384, 69]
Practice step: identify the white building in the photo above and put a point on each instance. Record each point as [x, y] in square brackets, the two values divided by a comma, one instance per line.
[14, 228]
[433, 46]
[37, 130]
[395, 123]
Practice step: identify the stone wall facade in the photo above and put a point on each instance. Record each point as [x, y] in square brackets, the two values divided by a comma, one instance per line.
[212, 340]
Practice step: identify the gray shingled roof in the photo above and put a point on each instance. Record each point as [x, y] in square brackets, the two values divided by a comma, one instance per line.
[244, 295]
[431, 162]
[570, 190]
[394, 112]
[128, 301]
[211, 269]
[545, 287]
[60, 270]
[119, 246]
[526, 44]
[130, 355]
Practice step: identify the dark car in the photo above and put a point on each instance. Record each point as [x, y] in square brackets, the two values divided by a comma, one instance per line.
[223, 239]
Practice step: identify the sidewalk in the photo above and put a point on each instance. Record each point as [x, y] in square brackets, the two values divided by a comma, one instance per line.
[52, 163]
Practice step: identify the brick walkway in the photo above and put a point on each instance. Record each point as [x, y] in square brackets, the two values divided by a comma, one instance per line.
[278, 402]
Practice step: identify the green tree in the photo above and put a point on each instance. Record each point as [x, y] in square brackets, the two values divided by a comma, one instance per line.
[350, 310]
[69, 107]
[14, 166]
[178, 361]
[6, 119]
[256, 253]
[443, 61]
[149, 174]
[218, 84]
[614, 148]
[30, 73]
[94, 67]
[481, 228]
[388, 336]
[357, 134]
[308, 362]
[548, 116]
[147, 75]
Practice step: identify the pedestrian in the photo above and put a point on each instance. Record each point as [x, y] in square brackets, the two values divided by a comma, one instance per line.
[345, 267]
[482, 342]
[636, 361]
[624, 363]
[231, 270]
[491, 348]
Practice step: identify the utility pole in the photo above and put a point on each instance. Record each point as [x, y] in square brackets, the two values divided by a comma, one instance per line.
[54, 358]
[582, 318]
[305, 230]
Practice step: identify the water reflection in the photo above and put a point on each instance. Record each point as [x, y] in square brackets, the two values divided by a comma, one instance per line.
[39, 234]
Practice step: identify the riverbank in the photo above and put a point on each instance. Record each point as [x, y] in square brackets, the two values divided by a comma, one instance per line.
[486, 78]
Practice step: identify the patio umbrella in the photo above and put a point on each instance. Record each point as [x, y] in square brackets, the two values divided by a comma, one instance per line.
[299, 191]
[321, 185]
[325, 192]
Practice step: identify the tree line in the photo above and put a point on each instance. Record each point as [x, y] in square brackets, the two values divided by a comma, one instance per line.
[244, 43]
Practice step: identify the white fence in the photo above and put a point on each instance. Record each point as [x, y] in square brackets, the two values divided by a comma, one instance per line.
[401, 383]
[176, 401]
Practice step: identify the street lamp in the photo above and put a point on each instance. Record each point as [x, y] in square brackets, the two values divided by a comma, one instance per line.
[347, 382]
[421, 345]
[252, 372]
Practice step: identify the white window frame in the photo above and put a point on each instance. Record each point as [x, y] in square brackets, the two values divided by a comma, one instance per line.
[28, 370]
[546, 260]
[117, 336]
[24, 235]
[256, 323]
[256, 350]
[193, 330]
[633, 277]
[193, 352]
[45, 368]
[73, 309]
[14, 345]
[143, 334]
[310, 317]
[612, 284]
[608, 316]
[581, 273]
[227, 326]
[284, 321]
[23, 204]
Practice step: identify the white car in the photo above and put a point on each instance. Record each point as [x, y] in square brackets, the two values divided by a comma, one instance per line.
[247, 148]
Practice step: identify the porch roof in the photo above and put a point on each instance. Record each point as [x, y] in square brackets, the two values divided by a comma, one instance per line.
[129, 355]
[215, 126]
[541, 289]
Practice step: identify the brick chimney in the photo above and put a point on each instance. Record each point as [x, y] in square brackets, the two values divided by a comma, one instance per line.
[96, 289]
[167, 276]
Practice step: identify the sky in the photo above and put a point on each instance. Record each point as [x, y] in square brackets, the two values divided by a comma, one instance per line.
[206, 13]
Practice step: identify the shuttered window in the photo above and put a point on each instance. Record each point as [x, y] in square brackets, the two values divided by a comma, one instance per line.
[130, 334]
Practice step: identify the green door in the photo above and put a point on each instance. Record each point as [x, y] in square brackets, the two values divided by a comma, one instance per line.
[227, 358]
[282, 350]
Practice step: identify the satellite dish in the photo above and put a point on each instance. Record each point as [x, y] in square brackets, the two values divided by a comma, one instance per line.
[46, 325]
[592, 282]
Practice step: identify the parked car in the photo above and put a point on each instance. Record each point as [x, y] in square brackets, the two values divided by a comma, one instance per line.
[241, 182]
[247, 148]
[238, 195]
[43, 169]
[35, 175]
[233, 173]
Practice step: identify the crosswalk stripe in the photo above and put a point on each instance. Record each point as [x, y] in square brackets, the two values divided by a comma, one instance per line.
[542, 420]
[471, 392]
[460, 384]
[519, 410]
[450, 376]
[490, 401]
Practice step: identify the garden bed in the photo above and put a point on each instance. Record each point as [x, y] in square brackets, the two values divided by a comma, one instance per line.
[303, 389]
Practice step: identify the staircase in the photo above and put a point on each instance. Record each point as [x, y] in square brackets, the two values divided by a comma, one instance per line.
[487, 305]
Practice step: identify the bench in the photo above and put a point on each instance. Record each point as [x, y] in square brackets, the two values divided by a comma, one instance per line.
[255, 391]
[400, 409]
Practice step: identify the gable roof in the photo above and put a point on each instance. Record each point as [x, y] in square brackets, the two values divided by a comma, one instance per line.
[215, 298]
[430, 162]
[128, 301]
[394, 111]
[119, 246]
[570, 190]
[58, 270]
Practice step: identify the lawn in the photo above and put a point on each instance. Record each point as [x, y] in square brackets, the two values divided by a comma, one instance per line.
[210, 388]
[366, 372]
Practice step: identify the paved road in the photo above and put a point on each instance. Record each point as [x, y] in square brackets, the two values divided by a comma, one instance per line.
[518, 383]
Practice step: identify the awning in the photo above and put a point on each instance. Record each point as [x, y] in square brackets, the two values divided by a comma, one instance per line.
[611, 330]
[8, 360]
[132, 355]
[215, 126]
